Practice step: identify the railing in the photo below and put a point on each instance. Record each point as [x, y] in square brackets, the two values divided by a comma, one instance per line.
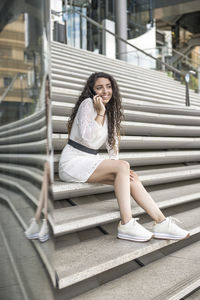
[9, 87]
[184, 75]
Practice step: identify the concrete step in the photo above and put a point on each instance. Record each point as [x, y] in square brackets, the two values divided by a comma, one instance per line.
[152, 176]
[22, 212]
[22, 185]
[125, 88]
[79, 54]
[122, 79]
[32, 147]
[33, 126]
[71, 95]
[31, 136]
[139, 142]
[84, 63]
[139, 128]
[27, 187]
[170, 277]
[25, 121]
[75, 218]
[146, 158]
[31, 173]
[101, 61]
[98, 255]
[67, 55]
[66, 87]
[24, 159]
[104, 61]
[65, 109]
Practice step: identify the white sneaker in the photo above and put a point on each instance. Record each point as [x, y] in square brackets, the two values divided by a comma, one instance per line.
[133, 231]
[33, 230]
[169, 230]
[43, 235]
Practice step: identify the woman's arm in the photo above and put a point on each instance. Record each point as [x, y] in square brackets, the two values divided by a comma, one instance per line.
[89, 126]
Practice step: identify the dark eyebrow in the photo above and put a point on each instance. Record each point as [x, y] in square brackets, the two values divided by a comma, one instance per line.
[102, 85]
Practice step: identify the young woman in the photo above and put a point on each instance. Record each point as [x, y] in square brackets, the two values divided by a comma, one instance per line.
[95, 120]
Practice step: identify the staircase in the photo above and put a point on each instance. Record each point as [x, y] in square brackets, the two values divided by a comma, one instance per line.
[161, 142]
[22, 157]
[186, 48]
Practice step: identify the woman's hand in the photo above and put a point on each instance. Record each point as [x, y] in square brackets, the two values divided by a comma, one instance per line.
[98, 105]
[133, 176]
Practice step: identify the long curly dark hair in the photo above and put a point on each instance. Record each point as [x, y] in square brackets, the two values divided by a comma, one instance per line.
[113, 107]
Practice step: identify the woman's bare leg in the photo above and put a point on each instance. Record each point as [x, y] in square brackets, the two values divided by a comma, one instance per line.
[116, 171]
[143, 198]
[40, 204]
[137, 191]
[43, 199]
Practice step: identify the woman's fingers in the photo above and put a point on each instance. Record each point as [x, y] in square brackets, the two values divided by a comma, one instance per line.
[98, 103]
[133, 176]
[97, 98]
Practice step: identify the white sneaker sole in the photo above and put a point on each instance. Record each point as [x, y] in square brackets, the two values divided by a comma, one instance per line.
[33, 236]
[133, 238]
[164, 236]
[44, 238]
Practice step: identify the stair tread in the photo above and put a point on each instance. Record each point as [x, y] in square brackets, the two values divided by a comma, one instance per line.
[83, 216]
[94, 256]
[139, 128]
[133, 156]
[175, 275]
[129, 104]
[66, 80]
[147, 158]
[31, 172]
[122, 79]
[129, 138]
[99, 59]
[63, 190]
[70, 93]
[31, 159]
[62, 110]
[28, 188]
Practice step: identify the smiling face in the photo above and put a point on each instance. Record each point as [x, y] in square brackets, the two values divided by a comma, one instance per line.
[103, 88]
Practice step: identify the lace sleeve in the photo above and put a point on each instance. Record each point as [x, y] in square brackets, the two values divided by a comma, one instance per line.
[88, 127]
[113, 153]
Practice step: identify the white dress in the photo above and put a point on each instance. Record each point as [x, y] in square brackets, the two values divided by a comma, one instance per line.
[76, 165]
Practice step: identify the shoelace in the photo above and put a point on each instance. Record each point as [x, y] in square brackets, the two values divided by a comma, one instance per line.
[171, 220]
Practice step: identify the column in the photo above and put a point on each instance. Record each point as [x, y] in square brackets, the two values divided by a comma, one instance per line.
[121, 27]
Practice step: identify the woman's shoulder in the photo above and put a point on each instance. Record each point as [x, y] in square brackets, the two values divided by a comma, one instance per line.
[87, 102]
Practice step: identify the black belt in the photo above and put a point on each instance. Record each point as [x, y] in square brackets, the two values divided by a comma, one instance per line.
[81, 147]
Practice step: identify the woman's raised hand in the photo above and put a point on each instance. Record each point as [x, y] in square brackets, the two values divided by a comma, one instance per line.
[98, 104]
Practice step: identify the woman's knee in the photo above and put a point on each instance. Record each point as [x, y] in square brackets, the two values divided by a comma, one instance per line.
[123, 166]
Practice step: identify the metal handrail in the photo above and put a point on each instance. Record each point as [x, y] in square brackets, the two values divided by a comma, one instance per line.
[10, 86]
[184, 74]
[173, 50]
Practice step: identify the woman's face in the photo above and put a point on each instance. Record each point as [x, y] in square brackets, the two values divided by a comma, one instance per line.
[103, 88]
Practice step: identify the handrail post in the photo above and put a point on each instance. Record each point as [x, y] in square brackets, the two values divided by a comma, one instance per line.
[187, 98]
